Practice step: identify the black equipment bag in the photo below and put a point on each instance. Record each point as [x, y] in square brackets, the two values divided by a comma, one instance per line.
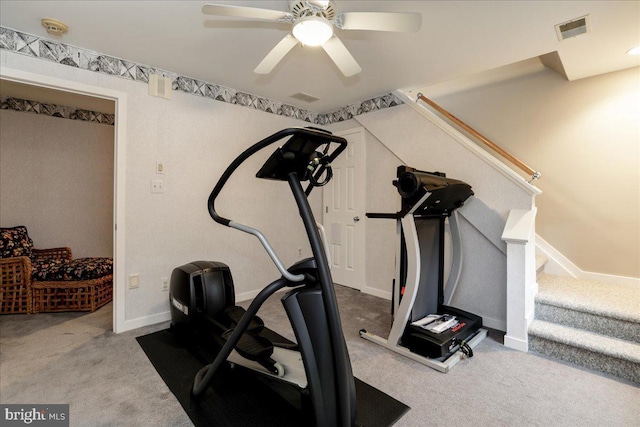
[442, 345]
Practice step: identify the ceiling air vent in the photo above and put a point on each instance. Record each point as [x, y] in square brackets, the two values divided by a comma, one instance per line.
[573, 28]
[304, 97]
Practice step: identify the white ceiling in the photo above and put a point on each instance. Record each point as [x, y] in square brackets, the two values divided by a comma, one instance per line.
[457, 39]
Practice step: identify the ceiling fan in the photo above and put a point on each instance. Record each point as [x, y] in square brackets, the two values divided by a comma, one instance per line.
[312, 25]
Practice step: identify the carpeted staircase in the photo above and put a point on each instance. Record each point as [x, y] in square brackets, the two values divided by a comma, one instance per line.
[592, 324]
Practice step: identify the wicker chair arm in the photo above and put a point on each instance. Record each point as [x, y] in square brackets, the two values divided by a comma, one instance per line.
[15, 285]
[64, 253]
[15, 270]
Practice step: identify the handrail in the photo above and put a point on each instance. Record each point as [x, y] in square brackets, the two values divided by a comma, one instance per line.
[504, 153]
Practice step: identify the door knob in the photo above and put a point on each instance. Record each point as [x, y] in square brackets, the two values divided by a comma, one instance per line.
[356, 218]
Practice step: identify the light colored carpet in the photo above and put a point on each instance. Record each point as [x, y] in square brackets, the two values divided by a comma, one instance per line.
[593, 324]
[108, 381]
[612, 300]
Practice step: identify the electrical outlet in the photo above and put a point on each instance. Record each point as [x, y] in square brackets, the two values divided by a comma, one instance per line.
[134, 281]
[165, 283]
[299, 252]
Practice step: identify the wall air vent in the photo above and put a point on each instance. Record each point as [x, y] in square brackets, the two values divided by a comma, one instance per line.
[304, 97]
[573, 28]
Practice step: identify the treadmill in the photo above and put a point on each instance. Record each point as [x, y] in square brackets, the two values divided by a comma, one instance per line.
[419, 304]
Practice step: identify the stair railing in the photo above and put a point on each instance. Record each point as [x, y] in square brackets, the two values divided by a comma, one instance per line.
[477, 135]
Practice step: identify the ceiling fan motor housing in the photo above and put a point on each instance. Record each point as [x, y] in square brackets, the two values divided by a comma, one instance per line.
[301, 9]
[313, 22]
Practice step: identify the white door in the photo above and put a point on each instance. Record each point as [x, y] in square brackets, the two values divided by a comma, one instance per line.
[344, 212]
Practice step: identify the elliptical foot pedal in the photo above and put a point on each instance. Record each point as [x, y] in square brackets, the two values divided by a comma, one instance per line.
[235, 313]
[257, 348]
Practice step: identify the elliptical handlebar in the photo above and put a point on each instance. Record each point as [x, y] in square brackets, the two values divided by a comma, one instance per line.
[309, 132]
[331, 385]
[320, 163]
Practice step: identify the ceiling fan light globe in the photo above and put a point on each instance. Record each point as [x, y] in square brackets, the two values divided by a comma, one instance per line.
[634, 51]
[312, 30]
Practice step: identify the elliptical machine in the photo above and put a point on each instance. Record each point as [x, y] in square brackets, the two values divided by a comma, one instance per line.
[202, 293]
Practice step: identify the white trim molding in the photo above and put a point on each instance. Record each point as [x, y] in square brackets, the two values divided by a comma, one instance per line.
[128, 325]
[120, 98]
[377, 292]
[559, 265]
[470, 145]
[519, 234]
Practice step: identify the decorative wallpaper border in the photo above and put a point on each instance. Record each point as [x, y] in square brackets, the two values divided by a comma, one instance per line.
[37, 47]
[72, 113]
[350, 111]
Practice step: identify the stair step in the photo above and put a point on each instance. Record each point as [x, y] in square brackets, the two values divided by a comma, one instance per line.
[615, 301]
[603, 325]
[589, 323]
[594, 351]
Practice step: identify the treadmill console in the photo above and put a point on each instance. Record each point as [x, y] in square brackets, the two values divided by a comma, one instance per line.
[446, 194]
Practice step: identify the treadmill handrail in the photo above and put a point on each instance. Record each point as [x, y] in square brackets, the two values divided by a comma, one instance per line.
[400, 214]
[376, 215]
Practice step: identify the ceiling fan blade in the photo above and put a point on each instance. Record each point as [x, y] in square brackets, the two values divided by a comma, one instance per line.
[379, 21]
[341, 56]
[246, 12]
[277, 53]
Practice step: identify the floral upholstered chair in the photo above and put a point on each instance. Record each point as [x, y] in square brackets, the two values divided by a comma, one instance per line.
[39, 280]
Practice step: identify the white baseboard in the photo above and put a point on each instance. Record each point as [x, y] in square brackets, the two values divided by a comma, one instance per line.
[144, 321]
[609, 278]
[166, 316]
[516, 344]
[559, 265]
[247, 296]
[377, 292]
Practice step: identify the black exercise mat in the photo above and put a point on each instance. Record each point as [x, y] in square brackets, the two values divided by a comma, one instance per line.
[238, 398]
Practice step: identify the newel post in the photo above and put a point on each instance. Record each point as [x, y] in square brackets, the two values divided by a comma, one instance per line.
[519, 235]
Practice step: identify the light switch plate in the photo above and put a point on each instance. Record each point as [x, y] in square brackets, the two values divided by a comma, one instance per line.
[134, 281]
[157, 186]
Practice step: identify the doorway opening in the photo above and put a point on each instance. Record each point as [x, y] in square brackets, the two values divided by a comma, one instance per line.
[91, 98]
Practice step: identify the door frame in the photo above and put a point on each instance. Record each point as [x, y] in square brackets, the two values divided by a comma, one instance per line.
[362, 190]
[119, 173]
